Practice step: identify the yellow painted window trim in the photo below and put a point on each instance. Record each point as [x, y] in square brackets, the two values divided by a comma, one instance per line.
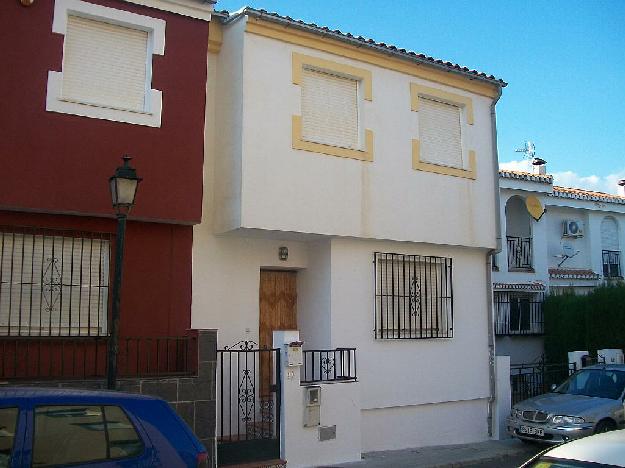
[417, 90]
[314, 41]
[301, 144]
[419, 165]
[215, 37]
[363, 76]
[360, 74]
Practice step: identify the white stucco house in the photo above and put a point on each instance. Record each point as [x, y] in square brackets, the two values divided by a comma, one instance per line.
[574, 245]
[350, 196]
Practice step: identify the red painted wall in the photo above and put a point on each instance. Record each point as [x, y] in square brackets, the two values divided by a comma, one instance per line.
[59, 163]
[156, 286]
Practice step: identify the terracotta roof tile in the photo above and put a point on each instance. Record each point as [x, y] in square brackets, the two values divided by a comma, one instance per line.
[520, 175]
[359, 40]
[573, 273]
[581, 194]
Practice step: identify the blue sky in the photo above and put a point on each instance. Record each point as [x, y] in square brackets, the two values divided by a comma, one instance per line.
[564, 61]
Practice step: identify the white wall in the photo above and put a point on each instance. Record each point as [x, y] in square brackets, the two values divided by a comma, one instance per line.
[405, 379]
[340, 407]
[424, 425]
[292, 190]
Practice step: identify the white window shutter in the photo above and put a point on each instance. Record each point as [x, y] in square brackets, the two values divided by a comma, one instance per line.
[439, 133]
[329, 109]
[609, 234]
[105, 64]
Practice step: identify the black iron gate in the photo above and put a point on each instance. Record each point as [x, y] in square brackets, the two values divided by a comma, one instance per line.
[248, 402]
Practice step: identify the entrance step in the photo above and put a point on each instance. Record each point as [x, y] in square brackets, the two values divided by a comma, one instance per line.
[277, 463]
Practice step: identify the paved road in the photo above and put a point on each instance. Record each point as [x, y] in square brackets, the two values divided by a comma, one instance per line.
[513, 461]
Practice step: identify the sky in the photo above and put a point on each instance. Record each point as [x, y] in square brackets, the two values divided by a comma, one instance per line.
[564, 61]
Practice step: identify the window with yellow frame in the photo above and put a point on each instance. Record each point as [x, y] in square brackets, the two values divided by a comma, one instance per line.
[443, 121]
[331, 108]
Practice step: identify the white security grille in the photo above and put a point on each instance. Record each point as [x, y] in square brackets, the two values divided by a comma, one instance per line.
[105, 64]
[53, 285]
[439, 133]
[329, 109]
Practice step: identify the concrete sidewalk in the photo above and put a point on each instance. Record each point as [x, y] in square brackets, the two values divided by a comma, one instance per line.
[446, 455]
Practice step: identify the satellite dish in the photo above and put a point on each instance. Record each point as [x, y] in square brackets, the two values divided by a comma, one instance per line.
[534, 207]
[568, 250]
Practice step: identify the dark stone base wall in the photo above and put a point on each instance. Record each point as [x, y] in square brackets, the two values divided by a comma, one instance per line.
[193, 398]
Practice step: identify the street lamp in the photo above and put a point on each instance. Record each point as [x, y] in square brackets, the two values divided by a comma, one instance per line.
[123, 190]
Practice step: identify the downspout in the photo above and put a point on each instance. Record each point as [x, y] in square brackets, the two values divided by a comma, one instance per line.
[489, 269]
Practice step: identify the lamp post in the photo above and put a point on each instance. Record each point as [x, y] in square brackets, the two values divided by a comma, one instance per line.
[123, 190]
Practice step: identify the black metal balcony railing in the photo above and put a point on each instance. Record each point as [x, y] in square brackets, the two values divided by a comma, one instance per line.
[35, 358]
[519, 253]
[332, 365]
[519, 314]
[611, 263]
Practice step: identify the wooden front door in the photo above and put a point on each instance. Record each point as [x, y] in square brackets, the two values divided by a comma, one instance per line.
[278, 311]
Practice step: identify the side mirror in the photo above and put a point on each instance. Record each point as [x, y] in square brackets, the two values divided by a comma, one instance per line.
[553, 388]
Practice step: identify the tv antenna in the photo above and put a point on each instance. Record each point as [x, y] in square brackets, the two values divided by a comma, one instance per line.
[529, 151]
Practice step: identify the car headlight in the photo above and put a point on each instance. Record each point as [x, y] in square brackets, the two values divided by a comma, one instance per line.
[516, 414]
[558, 419]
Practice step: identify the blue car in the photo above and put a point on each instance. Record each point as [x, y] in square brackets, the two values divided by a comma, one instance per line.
[60, 427]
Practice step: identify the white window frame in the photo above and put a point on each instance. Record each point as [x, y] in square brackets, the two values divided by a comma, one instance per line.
[55, 102]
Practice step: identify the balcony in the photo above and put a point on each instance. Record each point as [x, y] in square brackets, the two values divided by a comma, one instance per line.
[611, 263]
[519, 314]
[519, 253]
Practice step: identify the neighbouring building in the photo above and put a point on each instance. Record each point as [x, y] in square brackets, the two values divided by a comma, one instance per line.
[574, 245]
[84, 83]
[350, 198]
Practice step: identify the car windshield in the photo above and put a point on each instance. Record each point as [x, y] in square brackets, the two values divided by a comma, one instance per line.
[600, 383]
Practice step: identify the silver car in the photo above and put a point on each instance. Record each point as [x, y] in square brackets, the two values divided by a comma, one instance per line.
[588, 402]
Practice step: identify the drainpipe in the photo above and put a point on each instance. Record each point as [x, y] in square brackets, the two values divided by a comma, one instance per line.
[489, 270]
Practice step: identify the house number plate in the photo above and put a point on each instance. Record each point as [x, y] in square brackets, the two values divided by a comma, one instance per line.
[539, 431]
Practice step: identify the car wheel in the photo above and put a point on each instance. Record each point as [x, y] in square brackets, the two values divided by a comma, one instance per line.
[605, 425]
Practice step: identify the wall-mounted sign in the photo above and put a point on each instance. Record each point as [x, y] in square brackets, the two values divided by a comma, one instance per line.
[534, 207]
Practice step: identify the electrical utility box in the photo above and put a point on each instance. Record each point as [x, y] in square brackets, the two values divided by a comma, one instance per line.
[312, 406]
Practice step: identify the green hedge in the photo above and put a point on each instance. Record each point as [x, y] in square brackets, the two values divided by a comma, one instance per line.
[591, 322]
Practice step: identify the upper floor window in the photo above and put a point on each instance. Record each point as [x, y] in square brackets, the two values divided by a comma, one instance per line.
[332, 95]
[518, 235]
[611, 254]
[413, 296]
[53, 283]
[443, 120]
[107, 64]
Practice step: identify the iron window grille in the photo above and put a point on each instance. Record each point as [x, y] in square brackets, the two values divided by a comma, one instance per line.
[519, 313]
[519, 253]
[53, 283]
[611, 263]
[413, 296]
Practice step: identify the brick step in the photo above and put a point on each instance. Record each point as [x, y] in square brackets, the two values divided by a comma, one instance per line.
[277, 463]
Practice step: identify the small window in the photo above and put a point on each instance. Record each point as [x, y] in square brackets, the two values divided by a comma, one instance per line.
[439, 133]
[106, 71]
[329, 109]
[105, 64]
[82, 434]
[413, 296]
[8, 425]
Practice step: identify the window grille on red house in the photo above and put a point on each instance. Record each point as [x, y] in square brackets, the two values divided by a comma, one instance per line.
[53, 283]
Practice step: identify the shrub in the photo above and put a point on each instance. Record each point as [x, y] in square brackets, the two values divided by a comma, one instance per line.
[591, 322]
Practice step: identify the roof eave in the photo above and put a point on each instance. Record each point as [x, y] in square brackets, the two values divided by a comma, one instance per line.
[247, 11]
